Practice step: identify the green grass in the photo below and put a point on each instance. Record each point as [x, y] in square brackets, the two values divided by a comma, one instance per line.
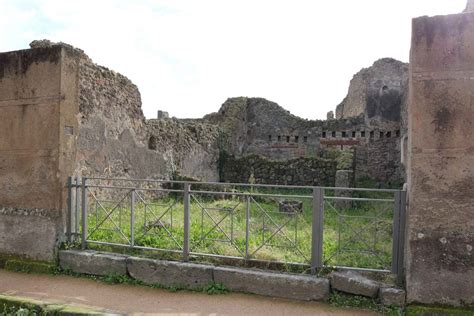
[350, 230]
[345, 300]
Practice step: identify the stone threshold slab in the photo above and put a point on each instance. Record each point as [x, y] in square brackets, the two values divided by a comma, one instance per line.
[195, 276]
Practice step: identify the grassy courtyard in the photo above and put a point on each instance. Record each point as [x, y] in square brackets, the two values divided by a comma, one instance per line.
[356, 234]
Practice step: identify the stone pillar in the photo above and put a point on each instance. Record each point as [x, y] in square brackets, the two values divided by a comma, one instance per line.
[162, 115]
[440, 218]
[38, 107]
[344, 179]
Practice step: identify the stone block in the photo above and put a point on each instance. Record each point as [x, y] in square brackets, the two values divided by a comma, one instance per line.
[392, 296]
[92, 262]
[300, 287]
[169, 273]
[290, 206]
[28, 233]
[344, 179]
[354, 283]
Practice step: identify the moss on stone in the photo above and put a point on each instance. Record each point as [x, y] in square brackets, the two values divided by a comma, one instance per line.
[423, 310]
[29, 266]
[10, 304]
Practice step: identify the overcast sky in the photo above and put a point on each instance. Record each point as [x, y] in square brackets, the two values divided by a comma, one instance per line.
[188, 56]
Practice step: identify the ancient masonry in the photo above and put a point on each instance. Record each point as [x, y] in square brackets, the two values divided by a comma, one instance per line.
[63, 115]
[114, 139]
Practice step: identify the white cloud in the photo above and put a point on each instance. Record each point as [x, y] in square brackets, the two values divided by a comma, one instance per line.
[188, 56]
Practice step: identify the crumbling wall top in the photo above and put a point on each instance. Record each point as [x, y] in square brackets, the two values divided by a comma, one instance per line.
[469, 6]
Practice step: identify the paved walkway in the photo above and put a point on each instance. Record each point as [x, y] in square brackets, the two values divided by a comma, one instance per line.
[130, 299]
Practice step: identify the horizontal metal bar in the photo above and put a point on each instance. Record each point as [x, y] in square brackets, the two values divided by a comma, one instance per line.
[133, 188]
[253, 194]
[361, 189]
[134, 247]
[356, 199]
[238, 193]
[359, 269]
[214, 255]
[246, 184]
[249, 260]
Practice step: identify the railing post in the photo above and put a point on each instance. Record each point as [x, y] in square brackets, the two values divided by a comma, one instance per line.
[84, 214]
[399, 236]
[69, 210]
[247, 227]
[78, 205]
[395, 232]
[132, 219]
[186, 203]
[317, 229]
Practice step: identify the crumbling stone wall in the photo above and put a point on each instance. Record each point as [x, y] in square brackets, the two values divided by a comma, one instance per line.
[115, 139]
[189, 148]
[300, 171]
[379, 91]
[256, 126]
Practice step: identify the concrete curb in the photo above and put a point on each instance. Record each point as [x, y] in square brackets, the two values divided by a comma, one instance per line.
[299, 287]
[197, 276]
[92, 262]
[170, 273]
[254, 281]
[10, 304]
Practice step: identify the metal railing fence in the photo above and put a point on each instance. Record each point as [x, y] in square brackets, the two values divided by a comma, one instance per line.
[311, 227]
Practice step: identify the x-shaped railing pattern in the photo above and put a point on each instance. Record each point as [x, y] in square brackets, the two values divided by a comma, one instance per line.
[278, 231]
[108, 214]
[229, 212]
[300, 231]
[357, 234]
[148, 226]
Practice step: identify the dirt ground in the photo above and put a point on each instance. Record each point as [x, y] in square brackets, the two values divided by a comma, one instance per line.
[131, 299]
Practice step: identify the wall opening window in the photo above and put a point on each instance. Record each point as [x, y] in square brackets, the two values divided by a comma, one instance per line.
[372, 134]
[305, 139]
[287, 139]
[324, 134]
[353, 134]
[362, 134]
[344, 134]
[297, 139]
[381, 134]
[333, 134]
[389, 134]
[269, 138]
[397, 133]
[279, 138]
[152, 143]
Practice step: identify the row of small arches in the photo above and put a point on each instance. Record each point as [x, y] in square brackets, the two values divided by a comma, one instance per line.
[288, 139]
[362, 134]
[334, 134]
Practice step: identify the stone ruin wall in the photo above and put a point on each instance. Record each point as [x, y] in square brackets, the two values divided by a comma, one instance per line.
[256, 126]
[115, 139]
[379, 92]
[63, 115]
[300, 171]
[99, 129]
